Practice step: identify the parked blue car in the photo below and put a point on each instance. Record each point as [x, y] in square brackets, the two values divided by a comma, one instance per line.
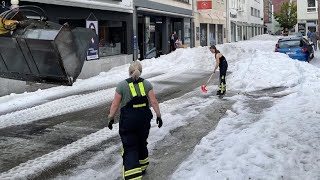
[296, 48]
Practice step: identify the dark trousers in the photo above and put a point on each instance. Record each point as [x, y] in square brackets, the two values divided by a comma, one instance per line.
[222, 88]
[134, 134]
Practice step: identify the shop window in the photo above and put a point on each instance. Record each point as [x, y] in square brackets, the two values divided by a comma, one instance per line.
[203, 35]
[111, 38]
[212, 33]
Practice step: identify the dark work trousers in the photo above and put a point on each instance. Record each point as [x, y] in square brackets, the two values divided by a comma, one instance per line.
[223, 73]
[134, 131]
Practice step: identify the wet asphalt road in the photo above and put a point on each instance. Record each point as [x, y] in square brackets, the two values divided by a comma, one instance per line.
[21, 143]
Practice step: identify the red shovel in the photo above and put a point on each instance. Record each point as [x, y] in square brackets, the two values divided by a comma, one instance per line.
[204, 87]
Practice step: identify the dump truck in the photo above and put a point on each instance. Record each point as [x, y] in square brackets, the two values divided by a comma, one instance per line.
[38, 50]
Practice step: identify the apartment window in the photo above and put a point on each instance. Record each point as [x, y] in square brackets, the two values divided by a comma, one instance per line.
[311, 6]
[255, 12]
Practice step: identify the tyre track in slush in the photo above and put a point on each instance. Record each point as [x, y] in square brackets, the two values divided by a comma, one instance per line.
[29, 141]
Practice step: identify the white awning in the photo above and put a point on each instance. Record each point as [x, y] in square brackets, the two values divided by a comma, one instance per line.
[87, 4]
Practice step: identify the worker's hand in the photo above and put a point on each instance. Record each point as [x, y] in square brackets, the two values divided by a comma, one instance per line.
[159, 122]
[111, 121]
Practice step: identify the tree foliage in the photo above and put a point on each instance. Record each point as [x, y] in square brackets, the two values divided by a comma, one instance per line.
[287, 17]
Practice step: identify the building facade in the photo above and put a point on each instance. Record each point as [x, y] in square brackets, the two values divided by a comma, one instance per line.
[210, 22]
[245, 19]
[276, 9]
[154, 22]
[268, 16]
[114, 20]
[307, 16]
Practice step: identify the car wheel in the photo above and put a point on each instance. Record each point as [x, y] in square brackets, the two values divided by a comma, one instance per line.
[312, 56]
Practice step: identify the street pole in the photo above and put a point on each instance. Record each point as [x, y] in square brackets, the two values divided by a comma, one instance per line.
[193, 40]
[227, 20]
[318, 18]
[135, 37]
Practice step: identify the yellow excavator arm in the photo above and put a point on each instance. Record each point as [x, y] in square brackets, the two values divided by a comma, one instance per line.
[7, 26]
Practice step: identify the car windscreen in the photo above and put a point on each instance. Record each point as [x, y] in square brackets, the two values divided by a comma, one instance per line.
[290, 43]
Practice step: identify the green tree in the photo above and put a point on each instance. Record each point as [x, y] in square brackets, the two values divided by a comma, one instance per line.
[287, 17]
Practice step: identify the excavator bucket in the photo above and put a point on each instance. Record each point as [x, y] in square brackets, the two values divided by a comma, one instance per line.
[47, 54]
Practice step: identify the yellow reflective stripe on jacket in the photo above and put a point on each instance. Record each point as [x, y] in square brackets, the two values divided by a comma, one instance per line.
[139, 105]
[132, 172]
[133, 90]
[142, 90]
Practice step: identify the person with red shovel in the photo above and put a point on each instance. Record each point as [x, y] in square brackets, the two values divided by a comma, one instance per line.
[222, 63]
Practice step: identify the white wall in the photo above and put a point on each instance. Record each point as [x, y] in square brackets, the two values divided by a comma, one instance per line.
[9, 86]
[302, 11]
[257, 4]
[242, 8]
[304, 15]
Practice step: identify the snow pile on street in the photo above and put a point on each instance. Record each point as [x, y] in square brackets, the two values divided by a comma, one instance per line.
[181, 110]
[265, 37]
[316, 60]
[180, 61]
[283, 144]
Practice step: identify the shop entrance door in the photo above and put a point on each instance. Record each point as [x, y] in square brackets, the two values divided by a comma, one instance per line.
[158, 36]
[141, 37]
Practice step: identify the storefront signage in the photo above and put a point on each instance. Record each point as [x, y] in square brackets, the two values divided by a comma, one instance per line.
[93, 51]
[204, 5]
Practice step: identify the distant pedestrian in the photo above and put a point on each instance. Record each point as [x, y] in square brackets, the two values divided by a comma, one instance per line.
[314, 39]
[309, 34]
[173, 40]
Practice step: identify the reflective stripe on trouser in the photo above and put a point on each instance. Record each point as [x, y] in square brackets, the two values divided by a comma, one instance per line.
[144, 164]
[222, 84]
[222, 88]
[135, 152]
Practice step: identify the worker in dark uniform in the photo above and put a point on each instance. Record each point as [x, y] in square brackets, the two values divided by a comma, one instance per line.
[222, 63]
[134, 96]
